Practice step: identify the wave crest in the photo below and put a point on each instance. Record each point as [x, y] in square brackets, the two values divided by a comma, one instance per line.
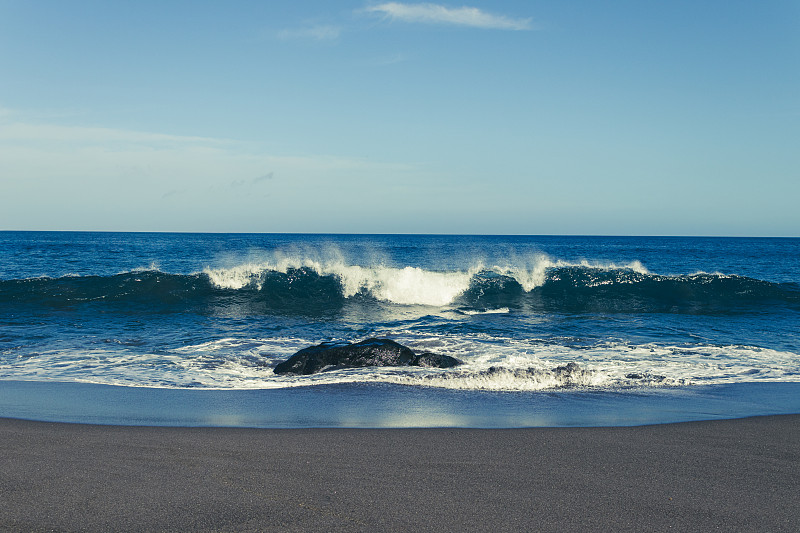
[405, 286]
[309, 285]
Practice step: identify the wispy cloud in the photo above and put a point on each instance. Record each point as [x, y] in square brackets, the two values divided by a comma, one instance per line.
[457, 16]
[314, 33]
[52, 175]
[53, 152]
[235, 184]
[264, 177]
[31, 132]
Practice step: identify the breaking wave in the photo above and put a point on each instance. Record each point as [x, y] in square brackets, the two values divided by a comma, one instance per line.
[546, 286]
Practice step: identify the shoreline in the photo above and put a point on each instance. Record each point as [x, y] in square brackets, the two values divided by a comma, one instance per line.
[389, 406]
[733, 475]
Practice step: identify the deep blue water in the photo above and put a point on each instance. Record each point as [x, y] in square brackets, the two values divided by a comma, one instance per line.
[638, 315]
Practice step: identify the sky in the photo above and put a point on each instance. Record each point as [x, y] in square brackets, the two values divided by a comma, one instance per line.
[506, 117]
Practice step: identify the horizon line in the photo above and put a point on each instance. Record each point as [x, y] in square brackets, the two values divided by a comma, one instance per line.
[608, 235]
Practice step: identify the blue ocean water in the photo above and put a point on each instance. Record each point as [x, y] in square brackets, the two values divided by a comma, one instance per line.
[219, 311]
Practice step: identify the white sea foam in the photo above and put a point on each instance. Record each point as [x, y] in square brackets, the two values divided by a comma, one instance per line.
[497, 363]
[236, 277]
[498, 311]
[491, 362]
[408, 285]
[532, 273]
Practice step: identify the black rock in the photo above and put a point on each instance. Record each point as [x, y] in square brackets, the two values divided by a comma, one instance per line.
[650, 377]
[371, 352]
[567, 370]
[435, 360]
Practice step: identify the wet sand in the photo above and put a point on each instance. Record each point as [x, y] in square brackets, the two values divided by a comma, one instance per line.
[729, 475]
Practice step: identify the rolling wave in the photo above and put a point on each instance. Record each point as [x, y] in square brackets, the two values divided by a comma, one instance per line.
[554, 287]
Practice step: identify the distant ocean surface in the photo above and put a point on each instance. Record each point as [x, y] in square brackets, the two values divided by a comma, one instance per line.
[219, 311]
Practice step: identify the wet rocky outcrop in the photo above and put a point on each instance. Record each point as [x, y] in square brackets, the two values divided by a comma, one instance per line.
[370, 352]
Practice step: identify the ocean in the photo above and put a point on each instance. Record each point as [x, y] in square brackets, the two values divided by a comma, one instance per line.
[186, 329]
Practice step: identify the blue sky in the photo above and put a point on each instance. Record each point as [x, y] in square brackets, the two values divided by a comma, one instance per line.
[503, 117]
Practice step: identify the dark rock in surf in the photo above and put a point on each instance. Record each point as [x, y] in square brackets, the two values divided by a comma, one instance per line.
[435, 360]
[655, 378]
[571, 374]
[570, 369]
[371, 352]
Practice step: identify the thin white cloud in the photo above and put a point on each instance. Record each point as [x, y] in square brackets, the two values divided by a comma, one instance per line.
[457, 16]
[314, 33]
[77, 177]
[42, 144]
[48, 152]
[31, 132]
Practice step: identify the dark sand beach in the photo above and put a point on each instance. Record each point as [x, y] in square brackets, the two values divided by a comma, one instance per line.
[726, 475]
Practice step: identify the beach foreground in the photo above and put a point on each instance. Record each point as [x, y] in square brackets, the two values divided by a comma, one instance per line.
[729, 475]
